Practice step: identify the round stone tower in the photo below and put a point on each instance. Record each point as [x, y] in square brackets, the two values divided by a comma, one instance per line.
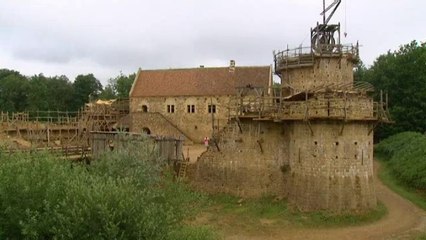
[310, 139]
[331, 143]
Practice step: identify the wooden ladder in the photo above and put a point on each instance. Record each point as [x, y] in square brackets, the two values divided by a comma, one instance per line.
[182, 169]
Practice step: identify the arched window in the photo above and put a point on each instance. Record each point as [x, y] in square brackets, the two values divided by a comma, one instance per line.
[144, 108]
[146, 130]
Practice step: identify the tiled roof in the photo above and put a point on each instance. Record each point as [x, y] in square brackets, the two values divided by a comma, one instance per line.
[198, 81]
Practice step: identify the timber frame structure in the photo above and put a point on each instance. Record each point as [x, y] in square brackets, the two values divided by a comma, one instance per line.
[62, 128]
[328, 102]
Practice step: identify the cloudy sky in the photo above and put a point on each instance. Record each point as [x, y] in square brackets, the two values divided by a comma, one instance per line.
[104, 37]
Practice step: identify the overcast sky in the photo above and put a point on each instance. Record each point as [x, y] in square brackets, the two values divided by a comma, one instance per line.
[104, 37]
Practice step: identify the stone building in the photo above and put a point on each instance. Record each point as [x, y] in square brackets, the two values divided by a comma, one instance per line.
[190, 103]
[310, 140]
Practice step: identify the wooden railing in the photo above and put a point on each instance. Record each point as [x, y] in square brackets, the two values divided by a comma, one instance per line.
[67, 152]
[275, 108]
[304, 56]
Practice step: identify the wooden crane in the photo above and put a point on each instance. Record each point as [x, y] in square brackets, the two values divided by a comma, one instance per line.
[322, 36]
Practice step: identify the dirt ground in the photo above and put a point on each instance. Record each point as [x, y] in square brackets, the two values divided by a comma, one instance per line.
[403, 221]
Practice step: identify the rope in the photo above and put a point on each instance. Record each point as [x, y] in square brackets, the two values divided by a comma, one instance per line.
[345, 32]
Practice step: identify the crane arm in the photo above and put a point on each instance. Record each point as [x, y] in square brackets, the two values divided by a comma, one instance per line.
[335, 4]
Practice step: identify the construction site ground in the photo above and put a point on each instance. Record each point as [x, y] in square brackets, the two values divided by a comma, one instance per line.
[404, 220]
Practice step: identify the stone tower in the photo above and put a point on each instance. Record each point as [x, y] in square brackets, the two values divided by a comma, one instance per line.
[331, 131]
[310, 139]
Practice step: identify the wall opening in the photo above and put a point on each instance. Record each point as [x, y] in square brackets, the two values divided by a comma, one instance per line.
[144, 108]
[190, 108]
[211, 108]
[146, 130]
[170, 108]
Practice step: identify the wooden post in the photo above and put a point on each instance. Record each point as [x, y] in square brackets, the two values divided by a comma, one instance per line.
[48, 135]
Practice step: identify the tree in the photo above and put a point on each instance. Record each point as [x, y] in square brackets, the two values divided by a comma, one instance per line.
[86, 87]
[49, 93]
[61, 93]
[359, 73]
[124, 84]
[402, 74]
[108, 92]
[118, 87]
[37, 98]
[14, 91]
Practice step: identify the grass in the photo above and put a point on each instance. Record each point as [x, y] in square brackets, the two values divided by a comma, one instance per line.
[414, 196]
[325, 219]
[266, 212]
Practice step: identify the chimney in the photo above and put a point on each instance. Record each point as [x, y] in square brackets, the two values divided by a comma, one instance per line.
[232, 66]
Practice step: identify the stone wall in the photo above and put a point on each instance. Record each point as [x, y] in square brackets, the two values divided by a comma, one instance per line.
[248, 164]
[156, 124]
[324, 72]
[331, 169]
[195, 125]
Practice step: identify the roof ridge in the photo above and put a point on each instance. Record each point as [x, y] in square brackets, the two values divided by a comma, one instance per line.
[195, 68]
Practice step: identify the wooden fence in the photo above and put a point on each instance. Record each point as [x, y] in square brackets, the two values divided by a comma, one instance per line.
[168, 148]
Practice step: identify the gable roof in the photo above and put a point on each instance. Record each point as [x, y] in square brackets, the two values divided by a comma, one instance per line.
[198, 81]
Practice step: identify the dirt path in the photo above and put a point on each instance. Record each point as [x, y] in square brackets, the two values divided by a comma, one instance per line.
[403, 221]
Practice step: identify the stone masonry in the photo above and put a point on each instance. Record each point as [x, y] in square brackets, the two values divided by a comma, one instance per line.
[311, 139]
[247, 163]
[194, 102]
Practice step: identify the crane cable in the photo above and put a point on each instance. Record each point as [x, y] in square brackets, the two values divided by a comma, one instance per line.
[345, 30]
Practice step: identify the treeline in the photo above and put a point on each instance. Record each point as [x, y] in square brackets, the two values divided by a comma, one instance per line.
[21, 93]
[402, 74]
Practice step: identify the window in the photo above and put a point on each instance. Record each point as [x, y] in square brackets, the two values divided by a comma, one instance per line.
[212, 108]
[190, 108]
[170, 108]
[144, 108]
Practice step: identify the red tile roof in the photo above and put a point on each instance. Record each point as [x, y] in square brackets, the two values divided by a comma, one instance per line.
[198, 81]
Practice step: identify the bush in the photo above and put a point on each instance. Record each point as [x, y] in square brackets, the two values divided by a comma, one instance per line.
[121, 196]
[406, 156]
[394, 144]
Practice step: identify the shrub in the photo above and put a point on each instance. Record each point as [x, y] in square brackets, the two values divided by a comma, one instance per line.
[127, 194]
[406, 156]
[388, 147]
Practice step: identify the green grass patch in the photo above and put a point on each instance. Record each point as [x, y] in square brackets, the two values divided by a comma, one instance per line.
[326, 219]
[276, 212]
[403, 161]
[406, 156]
[265, 207]
[413, 195]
